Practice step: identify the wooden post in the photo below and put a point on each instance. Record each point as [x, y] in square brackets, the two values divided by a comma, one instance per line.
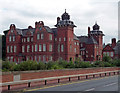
[8, 87]
[45, 82]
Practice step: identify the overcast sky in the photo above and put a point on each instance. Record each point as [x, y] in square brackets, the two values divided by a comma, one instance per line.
[83, 13]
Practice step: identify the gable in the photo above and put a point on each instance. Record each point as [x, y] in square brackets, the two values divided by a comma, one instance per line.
[108, 48]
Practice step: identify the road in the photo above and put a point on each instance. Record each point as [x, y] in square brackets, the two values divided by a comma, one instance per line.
[98, 84]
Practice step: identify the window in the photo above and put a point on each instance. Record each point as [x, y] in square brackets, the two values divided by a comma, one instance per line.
[40, 47]
[32, 48]
[50, 47]
[50, 37]
[64, 39]
[11, 58]
[75, 43]
[13, 38]
[44, 47]
[23, 49]
[75, 50]
[78, 44]
[8, 58]
[91, 55]
[39, 58]
[11, 49]
[28, 48]
[11, 31]
[35, 58]
[86, 55]
[81, 45]
[24, 39]
[55, 39]
[59, 48]
[10, 38]
[111, 54]
[38, 36]
[44, 59]
[69, 39]
[104, 53]
[86, 51]
[35, 47]
[42, 36]
[59, 39]
[62, 48]
[31, 39]
[28, 39]
[15, 49]
[107, 53]
[8, 50]
[50, 58]
[81, 53]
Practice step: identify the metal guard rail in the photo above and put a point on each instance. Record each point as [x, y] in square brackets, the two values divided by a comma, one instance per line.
[58, 77]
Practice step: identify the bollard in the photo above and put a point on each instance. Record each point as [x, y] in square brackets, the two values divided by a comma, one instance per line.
[29, 84]
[78, 77]
[105, 74]
[45, 82]
[58, 80]
[86, 76]
[109, 74]
[8, 87]
[69, 78]
[114, 73]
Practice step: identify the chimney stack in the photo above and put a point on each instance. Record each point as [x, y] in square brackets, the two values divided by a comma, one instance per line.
[88, 31]
[113, 42]
[58, 19]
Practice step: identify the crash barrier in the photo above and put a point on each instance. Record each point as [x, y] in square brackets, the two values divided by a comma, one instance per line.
[107, 73]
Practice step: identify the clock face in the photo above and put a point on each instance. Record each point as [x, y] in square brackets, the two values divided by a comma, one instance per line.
[40, 28]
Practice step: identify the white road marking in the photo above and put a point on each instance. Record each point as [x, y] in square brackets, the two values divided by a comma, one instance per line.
[110, 84]
[90, 89]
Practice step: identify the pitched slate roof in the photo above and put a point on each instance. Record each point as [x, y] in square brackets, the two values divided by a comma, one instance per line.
[85, 39]
[91, 40]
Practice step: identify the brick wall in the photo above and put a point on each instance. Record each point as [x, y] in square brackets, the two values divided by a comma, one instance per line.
[24, 75]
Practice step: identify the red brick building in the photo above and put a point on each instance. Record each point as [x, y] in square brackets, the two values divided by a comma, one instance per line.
[91, 45]
[42, 43]
[112, 49]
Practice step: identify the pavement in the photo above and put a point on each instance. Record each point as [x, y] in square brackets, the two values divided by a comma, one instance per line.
[104, 84]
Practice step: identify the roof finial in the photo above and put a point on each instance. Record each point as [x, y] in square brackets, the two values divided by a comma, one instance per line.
[65, 10]
[95, 22]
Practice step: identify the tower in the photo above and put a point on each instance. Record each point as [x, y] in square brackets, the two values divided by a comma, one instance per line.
[98, 36]
[64, 38]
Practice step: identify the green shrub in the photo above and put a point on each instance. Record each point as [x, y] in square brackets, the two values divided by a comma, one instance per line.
[85, 64]
[106, 58]
[63, 63]
[28, 65]
[70, 65]
[41, 66]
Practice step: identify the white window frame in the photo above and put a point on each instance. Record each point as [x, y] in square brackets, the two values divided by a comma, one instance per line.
[28, 47]
[15, 49]
[44, 47]
[23, 49]
[40, 47]
[38, 36]
[13, 38]
[36, 47]
[50, 36]
[42, 36]
[50, 48]
[10, 38]
[62, 48]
